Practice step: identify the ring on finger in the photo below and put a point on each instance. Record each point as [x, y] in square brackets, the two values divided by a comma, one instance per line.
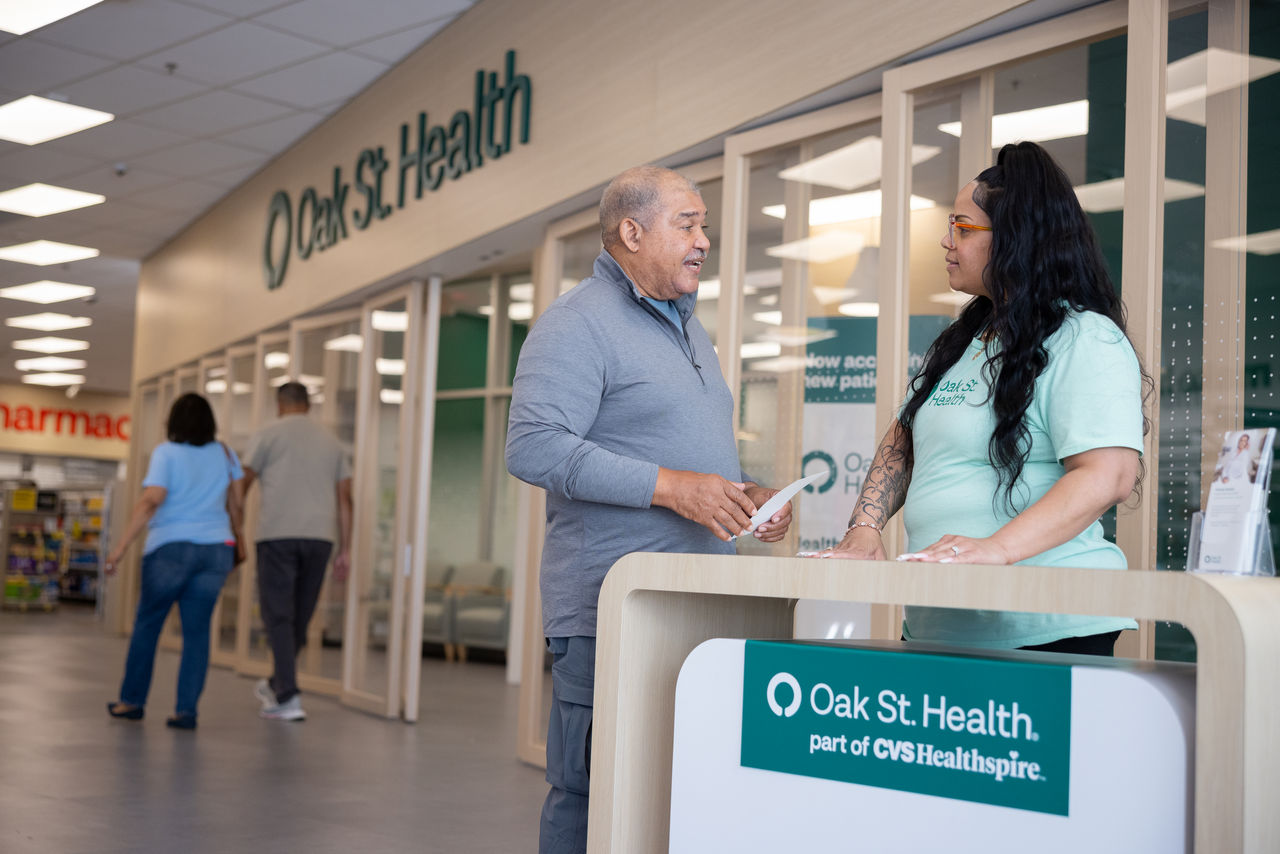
[955, 550]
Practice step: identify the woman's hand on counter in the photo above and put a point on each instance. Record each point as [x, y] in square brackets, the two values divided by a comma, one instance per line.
[956, 549]
[861, 543]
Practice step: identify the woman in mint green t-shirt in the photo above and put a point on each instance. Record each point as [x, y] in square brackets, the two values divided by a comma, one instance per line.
[1025, 423]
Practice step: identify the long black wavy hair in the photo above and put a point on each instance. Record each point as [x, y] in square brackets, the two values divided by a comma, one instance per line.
[1045, 262]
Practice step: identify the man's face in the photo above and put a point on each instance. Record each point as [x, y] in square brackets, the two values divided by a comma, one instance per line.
[674, 246]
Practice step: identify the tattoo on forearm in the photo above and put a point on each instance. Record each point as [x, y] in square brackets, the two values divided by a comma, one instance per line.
[885, 487]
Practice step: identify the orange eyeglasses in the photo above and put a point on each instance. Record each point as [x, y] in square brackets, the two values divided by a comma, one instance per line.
[952, 225]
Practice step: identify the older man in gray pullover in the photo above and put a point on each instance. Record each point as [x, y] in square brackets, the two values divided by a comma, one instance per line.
[619, 411]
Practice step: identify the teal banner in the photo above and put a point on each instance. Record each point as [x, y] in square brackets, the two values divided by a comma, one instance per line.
[971, 729]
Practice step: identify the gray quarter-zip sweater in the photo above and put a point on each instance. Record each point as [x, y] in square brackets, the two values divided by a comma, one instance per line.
[605, 392]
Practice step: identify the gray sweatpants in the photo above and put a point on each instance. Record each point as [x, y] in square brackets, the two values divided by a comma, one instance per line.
[564, 813]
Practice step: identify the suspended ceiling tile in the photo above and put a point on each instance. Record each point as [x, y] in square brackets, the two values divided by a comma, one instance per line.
[199, 158]
[342, 22]
[39, 163]
[125, 30]
[316, 81]
[127, 89]
[43, 228]
[118, 140]
[114, 213]
[30, 67]
[239, 8]
[397, 46]
[212, 113]
[241, 50]
[118, 243]
[276, 135]
[232, 177]
[104, 179]
[182, 196]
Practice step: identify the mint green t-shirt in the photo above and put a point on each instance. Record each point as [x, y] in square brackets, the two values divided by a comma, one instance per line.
[1088, 396]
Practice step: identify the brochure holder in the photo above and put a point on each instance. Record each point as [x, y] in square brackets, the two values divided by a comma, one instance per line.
[1261, 560]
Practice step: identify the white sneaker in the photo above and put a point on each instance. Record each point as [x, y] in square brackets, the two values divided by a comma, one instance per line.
[289, 710]
[262, 691]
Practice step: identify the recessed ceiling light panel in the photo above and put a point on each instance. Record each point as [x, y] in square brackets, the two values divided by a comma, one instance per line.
[53, 379]
[50, 363]
[48, 321]
[45, 292]
[22, 16]
[42, 253]
[45, 199]
[51, 344]
[32, 120]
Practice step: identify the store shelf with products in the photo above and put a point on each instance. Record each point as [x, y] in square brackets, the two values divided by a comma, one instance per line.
[82, 515]
[34, 545]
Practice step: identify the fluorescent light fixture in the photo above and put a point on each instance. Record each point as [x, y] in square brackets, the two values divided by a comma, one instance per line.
[47, 321]
[515, 311]
[216, 372]
[1192, 79]
[50, 363]
[215, 387]
[950, 298]
[393, 396]
[276, 382]
[845, 208]
[391, 321]
[1262, 243]
[42, 253]
[389, 367]
[32, 120]
[522, 292]
[1108, 195]
[796, 336]
[1039, 124]
[46, 199]
[53, 379]
[708, 290]
[773, 318]
[821, 249]
[860, 309]
[349, 343]
[22, 16]
[851, 167]
[779, 365]
[45, 292]
[50, 344]
[761, 349]
[276, 359]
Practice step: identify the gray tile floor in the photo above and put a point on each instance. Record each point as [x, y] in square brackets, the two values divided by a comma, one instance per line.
[73, 780]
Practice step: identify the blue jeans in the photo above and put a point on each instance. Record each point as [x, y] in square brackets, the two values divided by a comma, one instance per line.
[190, 574]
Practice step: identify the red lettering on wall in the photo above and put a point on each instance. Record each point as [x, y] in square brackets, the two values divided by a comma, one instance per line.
[70, 422]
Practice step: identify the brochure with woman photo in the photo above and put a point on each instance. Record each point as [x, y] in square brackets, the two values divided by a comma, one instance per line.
[1237, 506]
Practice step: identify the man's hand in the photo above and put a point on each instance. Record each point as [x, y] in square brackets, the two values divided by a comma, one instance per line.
[717, 504]
[773, 529]
[341, 566]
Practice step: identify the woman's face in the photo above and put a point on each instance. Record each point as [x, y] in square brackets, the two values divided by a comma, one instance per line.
[967, 256]
[1243, 443]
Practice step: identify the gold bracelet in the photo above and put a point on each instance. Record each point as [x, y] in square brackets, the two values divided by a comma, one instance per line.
[872, 525]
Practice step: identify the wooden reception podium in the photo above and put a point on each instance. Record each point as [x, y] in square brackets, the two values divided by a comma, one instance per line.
[655, 608]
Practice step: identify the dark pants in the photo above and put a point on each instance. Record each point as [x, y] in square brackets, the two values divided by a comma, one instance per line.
[290, 574]
[564, 813]
[190, 574]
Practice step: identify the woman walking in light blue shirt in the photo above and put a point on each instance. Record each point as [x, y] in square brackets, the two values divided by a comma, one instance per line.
[1025, 423]
[191, 506]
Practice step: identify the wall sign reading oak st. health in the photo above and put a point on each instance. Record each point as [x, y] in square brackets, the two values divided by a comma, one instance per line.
[429, 154]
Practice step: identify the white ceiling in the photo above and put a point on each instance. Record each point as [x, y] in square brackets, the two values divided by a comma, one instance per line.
[205, 93]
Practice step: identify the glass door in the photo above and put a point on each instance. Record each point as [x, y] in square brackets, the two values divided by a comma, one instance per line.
[373, 638]
[328, 362]
[234, 384]
[269, 368]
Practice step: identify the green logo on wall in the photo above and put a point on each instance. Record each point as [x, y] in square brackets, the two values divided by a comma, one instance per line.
[429, 154]
[972, 729]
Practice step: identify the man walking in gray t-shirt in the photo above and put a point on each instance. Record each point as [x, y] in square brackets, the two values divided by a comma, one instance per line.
[619, 411]
[306, 493]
